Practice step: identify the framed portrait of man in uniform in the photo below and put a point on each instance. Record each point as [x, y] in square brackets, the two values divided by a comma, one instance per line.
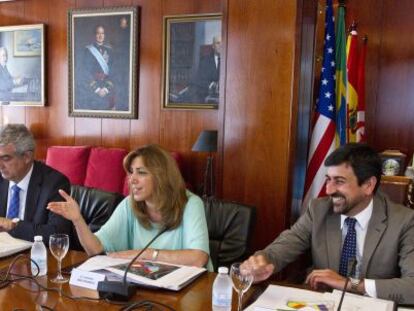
[192, 61]
[103, 62]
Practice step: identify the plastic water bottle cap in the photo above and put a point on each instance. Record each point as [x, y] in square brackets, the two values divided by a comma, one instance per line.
[38, 238]
[223, 270]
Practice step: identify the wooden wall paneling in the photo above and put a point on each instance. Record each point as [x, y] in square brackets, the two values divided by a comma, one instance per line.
[179, 132]
[113, 3]
[145, 130]
[60, 128]
[395, 112]
[259, 87]
[307, 24]
[89, 3]
[38, 13]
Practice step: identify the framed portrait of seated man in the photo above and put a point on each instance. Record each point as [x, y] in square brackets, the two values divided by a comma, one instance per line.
[192, 61]
[22, 65]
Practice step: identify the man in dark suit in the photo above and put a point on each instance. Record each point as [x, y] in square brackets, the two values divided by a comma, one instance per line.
[26, 187]
[206, 82]
[7, 81]
[354, 224]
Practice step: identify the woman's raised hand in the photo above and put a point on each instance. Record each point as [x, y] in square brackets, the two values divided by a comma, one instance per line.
[68, 209]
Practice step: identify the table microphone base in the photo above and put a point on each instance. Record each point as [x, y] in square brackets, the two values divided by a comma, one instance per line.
[115, 290]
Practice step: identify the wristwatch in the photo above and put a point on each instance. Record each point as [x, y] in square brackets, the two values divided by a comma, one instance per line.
[155, 254]
[354, 284]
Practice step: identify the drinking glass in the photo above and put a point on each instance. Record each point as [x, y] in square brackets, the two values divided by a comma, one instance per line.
[242, 279]
[59, 245]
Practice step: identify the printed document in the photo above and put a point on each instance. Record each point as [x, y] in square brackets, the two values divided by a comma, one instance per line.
[10, 245]
[282, 298]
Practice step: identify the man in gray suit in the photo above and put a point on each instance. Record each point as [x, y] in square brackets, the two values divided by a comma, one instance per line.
[383, 233]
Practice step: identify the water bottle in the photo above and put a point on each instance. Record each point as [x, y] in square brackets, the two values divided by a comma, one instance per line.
[39, 255]
[222, 291]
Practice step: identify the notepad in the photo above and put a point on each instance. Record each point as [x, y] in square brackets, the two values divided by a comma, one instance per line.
[10, 245]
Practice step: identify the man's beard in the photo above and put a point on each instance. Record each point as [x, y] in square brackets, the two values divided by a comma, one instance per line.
[340, 204]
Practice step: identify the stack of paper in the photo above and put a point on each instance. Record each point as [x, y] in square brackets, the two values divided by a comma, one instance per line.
[281, 298]
[10, 245]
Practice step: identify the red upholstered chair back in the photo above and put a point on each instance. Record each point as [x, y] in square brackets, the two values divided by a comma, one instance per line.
[70, 161]
[105, 170]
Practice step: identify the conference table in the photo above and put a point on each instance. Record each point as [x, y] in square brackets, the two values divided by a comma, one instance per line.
[27, 295]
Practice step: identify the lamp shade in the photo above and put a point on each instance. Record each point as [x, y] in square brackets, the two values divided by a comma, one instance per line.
[206, 141]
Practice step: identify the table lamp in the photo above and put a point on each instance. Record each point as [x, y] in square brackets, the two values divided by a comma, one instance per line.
[207, 142]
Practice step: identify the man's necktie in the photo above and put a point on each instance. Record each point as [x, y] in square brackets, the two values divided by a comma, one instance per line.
[14, 203]
[349, 247]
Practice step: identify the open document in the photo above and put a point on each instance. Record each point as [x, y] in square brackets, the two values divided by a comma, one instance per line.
[10, 245]
[277, 298]
[146, 273]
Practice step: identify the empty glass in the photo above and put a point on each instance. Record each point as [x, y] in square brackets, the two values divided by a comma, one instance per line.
[242, 279]
[59, 245]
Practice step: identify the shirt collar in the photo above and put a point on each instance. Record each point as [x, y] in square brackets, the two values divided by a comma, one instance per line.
[362, 217]
[24, 183]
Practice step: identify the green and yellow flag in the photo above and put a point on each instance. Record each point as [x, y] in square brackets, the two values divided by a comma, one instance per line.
[341, 78]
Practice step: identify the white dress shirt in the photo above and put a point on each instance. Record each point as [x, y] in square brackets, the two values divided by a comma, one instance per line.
[361, 228]
[23, 185]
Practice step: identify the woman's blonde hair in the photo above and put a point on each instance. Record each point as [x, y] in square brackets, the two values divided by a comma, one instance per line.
[169, 187]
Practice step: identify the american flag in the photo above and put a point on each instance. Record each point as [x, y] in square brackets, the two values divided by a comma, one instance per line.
[323, 133]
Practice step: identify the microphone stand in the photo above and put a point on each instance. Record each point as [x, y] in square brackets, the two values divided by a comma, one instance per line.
[123, 291]
[351, 267]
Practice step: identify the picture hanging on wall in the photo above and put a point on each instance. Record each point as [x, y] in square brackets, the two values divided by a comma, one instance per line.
[22, 65]
[103, 62]
[191, 61]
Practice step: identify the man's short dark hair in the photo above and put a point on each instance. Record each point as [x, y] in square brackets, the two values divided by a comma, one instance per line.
[364, 161]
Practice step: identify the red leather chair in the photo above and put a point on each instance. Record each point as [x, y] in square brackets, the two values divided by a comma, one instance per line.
[105, 170]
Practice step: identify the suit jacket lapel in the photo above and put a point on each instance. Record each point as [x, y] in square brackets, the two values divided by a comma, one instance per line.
[376, 228]
[33, 193]
[4, 193]
[334, 240]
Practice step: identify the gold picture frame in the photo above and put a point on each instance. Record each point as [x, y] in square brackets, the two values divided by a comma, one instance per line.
[103, 63]
[191, 61]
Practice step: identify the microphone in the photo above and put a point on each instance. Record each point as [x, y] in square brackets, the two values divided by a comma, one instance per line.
[123, 291]
[352, 262]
